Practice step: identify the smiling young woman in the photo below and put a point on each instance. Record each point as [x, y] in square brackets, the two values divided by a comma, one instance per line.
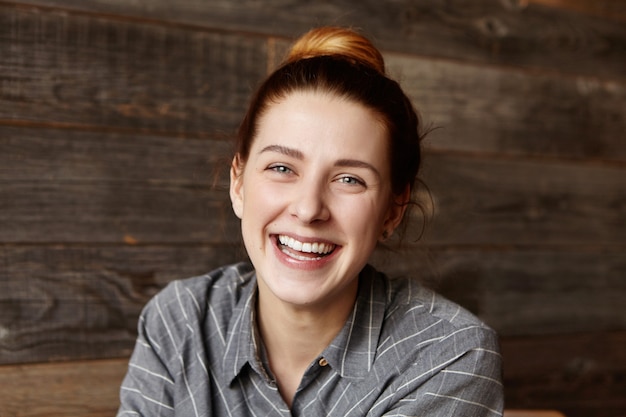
[327, 158]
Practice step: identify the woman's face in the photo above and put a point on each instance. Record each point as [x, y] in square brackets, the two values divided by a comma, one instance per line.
[314, 197]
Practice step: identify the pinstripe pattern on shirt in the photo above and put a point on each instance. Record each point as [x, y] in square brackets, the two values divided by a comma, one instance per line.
[404, 351]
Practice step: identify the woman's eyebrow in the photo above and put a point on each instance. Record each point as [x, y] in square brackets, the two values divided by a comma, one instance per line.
[355, 163]
[294, 153]
[346, 163]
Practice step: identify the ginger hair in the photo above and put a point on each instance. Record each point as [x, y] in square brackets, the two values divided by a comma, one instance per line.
[336, 41]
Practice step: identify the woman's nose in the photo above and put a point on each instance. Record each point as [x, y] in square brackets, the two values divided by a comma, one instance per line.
[309, 204]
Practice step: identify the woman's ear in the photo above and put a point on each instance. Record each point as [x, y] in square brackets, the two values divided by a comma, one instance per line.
[396, 212]
[236, 186]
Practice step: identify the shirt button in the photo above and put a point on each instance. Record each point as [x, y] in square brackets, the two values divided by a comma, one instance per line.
[323, 362]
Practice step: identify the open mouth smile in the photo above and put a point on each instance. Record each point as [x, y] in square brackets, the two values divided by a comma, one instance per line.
[304, 251]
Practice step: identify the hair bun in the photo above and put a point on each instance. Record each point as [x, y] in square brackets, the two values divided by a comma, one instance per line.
[337, 41]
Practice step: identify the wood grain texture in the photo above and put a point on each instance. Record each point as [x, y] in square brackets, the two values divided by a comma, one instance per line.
[119, 81]
[484, 31]
[60, 155]
[481, 109]
[521, 292]
[106, 212]
[88, 71]
[581, 374]
[66, 186]
[73, 389]
[516, 202]
[83, 302]
[607, 9]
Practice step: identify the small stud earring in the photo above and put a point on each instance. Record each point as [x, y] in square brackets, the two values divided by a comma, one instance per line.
[385, 234]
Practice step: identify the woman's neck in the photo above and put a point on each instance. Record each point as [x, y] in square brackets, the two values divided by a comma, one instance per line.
[295, 336]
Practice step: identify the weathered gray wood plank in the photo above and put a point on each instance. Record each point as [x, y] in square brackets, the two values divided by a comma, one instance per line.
[112, 212]
[68, 186]
[481, 109]
[59, 155]
[524, 292]
[81, 70]
[486, 31]
[516, 202]
[76, 70]
[70, 389]
[106, 84]
[581, 374]
[64, 303]
[607, 9]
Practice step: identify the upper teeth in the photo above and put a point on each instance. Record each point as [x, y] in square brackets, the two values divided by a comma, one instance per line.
[315, 247]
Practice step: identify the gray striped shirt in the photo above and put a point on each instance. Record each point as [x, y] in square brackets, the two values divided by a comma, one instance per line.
[404, 351]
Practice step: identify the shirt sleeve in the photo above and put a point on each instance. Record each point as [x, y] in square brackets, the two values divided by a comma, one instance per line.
[148, 387]
[467, 384]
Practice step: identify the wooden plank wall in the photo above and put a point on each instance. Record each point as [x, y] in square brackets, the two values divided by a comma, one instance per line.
[115, 123]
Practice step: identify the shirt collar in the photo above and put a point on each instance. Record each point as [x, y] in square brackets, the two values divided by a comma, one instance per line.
[351, 353]
[353, 350]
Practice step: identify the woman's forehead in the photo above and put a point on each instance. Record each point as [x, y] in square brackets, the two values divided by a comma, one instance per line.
[320, 111]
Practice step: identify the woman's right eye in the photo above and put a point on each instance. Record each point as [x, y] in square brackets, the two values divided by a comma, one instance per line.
[281, 169]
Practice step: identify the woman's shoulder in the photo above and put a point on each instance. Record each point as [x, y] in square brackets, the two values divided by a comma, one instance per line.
[412, 304]
[221, 289]
[225, 279]
[408, 293]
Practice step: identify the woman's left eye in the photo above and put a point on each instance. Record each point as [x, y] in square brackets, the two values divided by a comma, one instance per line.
[350, 180]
